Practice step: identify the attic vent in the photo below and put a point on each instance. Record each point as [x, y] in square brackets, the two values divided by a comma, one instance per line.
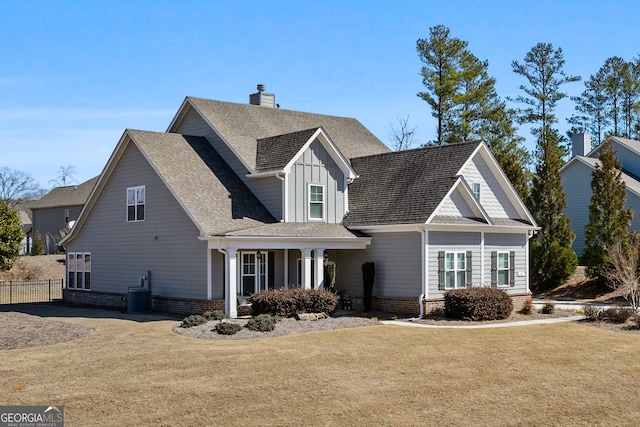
[263, 99]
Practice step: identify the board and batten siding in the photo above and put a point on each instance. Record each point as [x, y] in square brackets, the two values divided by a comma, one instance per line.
[493, 198]
[315, 166]
[397, 258]
[165, 243]
[480, 267]
[268, 189]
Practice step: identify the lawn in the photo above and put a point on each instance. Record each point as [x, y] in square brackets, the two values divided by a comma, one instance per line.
[130, 373]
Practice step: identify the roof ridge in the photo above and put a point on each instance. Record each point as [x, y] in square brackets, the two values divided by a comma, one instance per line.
[427, 148]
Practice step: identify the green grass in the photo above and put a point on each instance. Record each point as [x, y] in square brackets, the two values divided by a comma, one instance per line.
[130, 373]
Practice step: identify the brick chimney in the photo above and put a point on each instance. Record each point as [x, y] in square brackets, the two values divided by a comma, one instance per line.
[580, 144]
[263, 99]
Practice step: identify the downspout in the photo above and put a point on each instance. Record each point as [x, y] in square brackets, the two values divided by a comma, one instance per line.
[423, 273]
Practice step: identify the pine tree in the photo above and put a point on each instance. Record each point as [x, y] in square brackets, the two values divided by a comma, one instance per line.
[552, 259]
[11, 235]
[609, 221]
[591, 107]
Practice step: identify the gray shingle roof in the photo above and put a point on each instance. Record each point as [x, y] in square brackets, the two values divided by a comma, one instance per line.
[70, 195]
[275, 152]
[214, 196]
[242, 125]
[404, 187]
[299, 229]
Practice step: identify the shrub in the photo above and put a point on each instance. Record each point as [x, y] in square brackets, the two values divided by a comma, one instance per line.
[527, 307]
[262, 323]
[193, 320]
[330, 276]
[551, 266]
[214, 315]
[591, 312]
[616, 315]
[548, 308]
[477, 304]
[368, 278]
[227, 328]
[289, 302]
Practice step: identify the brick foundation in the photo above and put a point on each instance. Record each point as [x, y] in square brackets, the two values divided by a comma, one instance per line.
[179, 306]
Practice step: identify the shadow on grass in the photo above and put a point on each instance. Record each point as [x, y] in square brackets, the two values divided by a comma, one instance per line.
[49, 309]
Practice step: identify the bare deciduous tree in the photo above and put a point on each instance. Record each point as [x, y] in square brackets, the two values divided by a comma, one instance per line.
[402, 137]
[66, 176]
[16, 186]
[623, 273]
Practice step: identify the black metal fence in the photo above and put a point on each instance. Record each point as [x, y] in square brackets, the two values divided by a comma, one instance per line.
[26, 291]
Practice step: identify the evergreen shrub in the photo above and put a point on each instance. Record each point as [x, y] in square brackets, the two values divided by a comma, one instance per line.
[289, 302]
[477, 304]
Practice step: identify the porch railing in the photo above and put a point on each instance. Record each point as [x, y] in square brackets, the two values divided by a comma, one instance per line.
[28, 291]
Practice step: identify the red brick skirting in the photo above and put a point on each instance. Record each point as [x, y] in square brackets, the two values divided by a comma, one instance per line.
[179, 306]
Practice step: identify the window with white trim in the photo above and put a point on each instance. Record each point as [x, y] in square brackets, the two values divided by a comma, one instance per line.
[455, 270]
[476, 190]
[254, 273]
[79, 270]
[135, 203]
[503, 268]
[316, 202]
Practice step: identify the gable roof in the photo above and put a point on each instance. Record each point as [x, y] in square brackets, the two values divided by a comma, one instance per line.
[242, 125]
[631, 182]
[276, 151]
[211, 194]
[202, 182]
[70, 195]
[404, 187]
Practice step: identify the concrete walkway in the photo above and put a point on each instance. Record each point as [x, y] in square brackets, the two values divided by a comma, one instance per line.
[486, 325]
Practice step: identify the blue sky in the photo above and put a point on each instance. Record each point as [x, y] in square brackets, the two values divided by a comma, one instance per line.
[75, 74]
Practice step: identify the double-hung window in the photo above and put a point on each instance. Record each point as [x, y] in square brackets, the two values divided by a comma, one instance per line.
[503, 268]
[455, 270]
[79, 268]
[316, 202]
[135, 203]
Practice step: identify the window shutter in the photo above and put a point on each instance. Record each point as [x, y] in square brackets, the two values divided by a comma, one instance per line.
[494, 269]
[469, 279]
[512, 268]
[441, 270]
[271, 266]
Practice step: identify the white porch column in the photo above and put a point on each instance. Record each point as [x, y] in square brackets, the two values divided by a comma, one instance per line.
[306, 268]
[209, 272]
[319, 279]
[286, 268]
[231, 279]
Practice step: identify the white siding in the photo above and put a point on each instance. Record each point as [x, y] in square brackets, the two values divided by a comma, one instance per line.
[397, 257]
[316, 166]
[492, 197]
[165, 243]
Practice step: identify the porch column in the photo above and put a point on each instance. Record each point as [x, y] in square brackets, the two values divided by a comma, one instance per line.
[306, 268]
[319, 279]
[231, 283]
[286, 268]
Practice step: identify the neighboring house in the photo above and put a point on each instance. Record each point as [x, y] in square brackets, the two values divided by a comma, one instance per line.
[237, 198]
[25, 218]
[576, 181]
[56, 210]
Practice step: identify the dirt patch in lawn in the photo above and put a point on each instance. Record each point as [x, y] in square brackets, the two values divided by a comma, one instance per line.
[20, 330]
[36, 267]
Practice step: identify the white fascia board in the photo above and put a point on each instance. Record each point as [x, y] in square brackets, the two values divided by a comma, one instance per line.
[266, 174]
[504, 182]
[168, 187]
[265, 243]
[97, 189]
[331, 148]
[483, 227]
[182, 111]
[388, 228]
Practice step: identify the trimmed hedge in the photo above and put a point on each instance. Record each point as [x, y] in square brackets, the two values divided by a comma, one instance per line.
[477, 304]
[289, 302]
